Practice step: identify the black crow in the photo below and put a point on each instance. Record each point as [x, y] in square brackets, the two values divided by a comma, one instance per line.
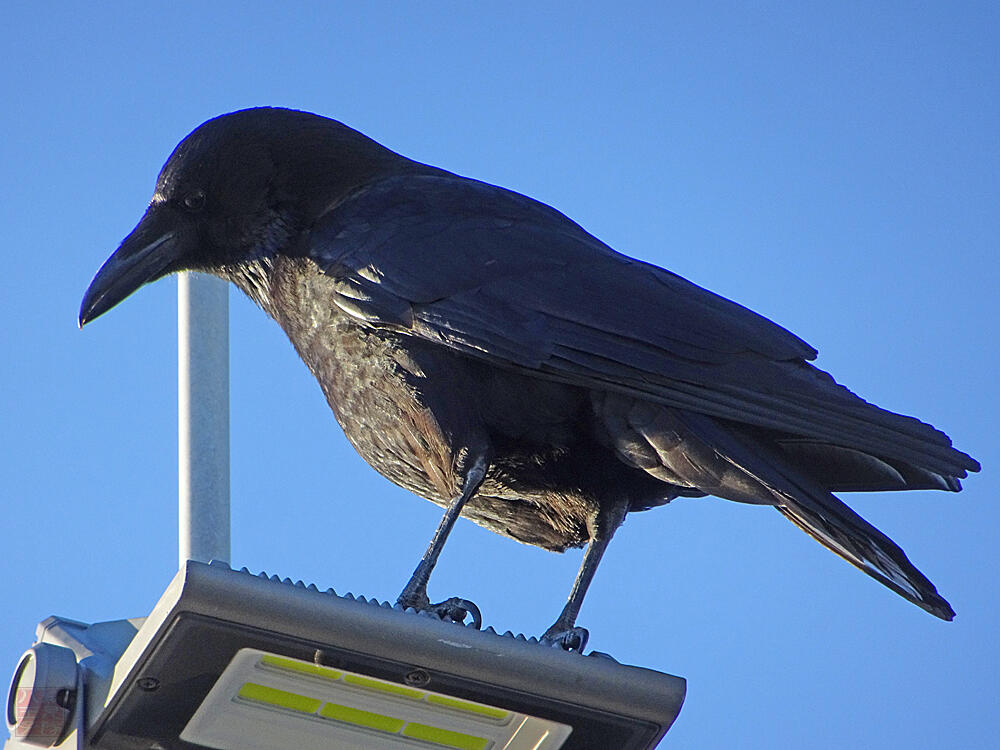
[485, 352]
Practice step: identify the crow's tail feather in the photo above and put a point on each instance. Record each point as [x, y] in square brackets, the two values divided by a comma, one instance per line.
[814, 509]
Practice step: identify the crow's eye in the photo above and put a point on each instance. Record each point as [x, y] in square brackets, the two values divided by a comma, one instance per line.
[194, 201]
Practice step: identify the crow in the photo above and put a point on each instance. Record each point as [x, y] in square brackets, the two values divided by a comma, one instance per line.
[485, 352]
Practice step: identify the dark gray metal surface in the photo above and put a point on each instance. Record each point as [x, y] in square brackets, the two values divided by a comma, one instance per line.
[209, 612]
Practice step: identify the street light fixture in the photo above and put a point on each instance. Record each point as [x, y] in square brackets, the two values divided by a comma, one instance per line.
[228, 659]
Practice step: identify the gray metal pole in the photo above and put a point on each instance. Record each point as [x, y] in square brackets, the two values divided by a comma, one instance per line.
[203, 417]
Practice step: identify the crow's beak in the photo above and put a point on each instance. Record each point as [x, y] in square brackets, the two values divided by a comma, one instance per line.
[150, 252]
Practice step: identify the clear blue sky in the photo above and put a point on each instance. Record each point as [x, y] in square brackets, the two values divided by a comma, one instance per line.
[831, 165]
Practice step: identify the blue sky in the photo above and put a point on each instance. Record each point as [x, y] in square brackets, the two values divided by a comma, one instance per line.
[832, 166]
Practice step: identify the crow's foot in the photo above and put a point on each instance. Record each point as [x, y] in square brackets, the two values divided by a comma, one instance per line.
[568, 639]
[455, 609]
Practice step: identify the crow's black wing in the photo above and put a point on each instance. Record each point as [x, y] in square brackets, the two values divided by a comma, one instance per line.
[505, 278]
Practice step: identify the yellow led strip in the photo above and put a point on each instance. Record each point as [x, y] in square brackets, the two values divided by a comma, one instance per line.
[314, 670]
[385, 687]
[362, 718]
[300, 666]
[444, 737]
[476, 708]
[252, 691]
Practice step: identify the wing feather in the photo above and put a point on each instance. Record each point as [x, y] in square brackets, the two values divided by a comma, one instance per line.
[510, 280]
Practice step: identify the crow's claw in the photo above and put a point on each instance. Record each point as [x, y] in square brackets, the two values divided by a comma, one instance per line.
[456, 610]
[573, 639]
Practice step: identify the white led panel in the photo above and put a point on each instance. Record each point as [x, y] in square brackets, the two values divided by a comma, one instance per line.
[264, 701]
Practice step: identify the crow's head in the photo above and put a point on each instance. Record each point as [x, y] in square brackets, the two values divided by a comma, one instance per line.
[240, 187]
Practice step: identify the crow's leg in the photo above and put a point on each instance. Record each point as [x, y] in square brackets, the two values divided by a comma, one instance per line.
[415, 592]
[602, 527]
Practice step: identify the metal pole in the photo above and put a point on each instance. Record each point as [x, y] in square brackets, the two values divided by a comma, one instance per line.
[203, 418]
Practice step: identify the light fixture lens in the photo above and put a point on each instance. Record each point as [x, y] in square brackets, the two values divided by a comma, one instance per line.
[265, 700]
[42, 694]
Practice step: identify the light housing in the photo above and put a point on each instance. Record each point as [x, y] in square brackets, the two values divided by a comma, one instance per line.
[177, 685]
